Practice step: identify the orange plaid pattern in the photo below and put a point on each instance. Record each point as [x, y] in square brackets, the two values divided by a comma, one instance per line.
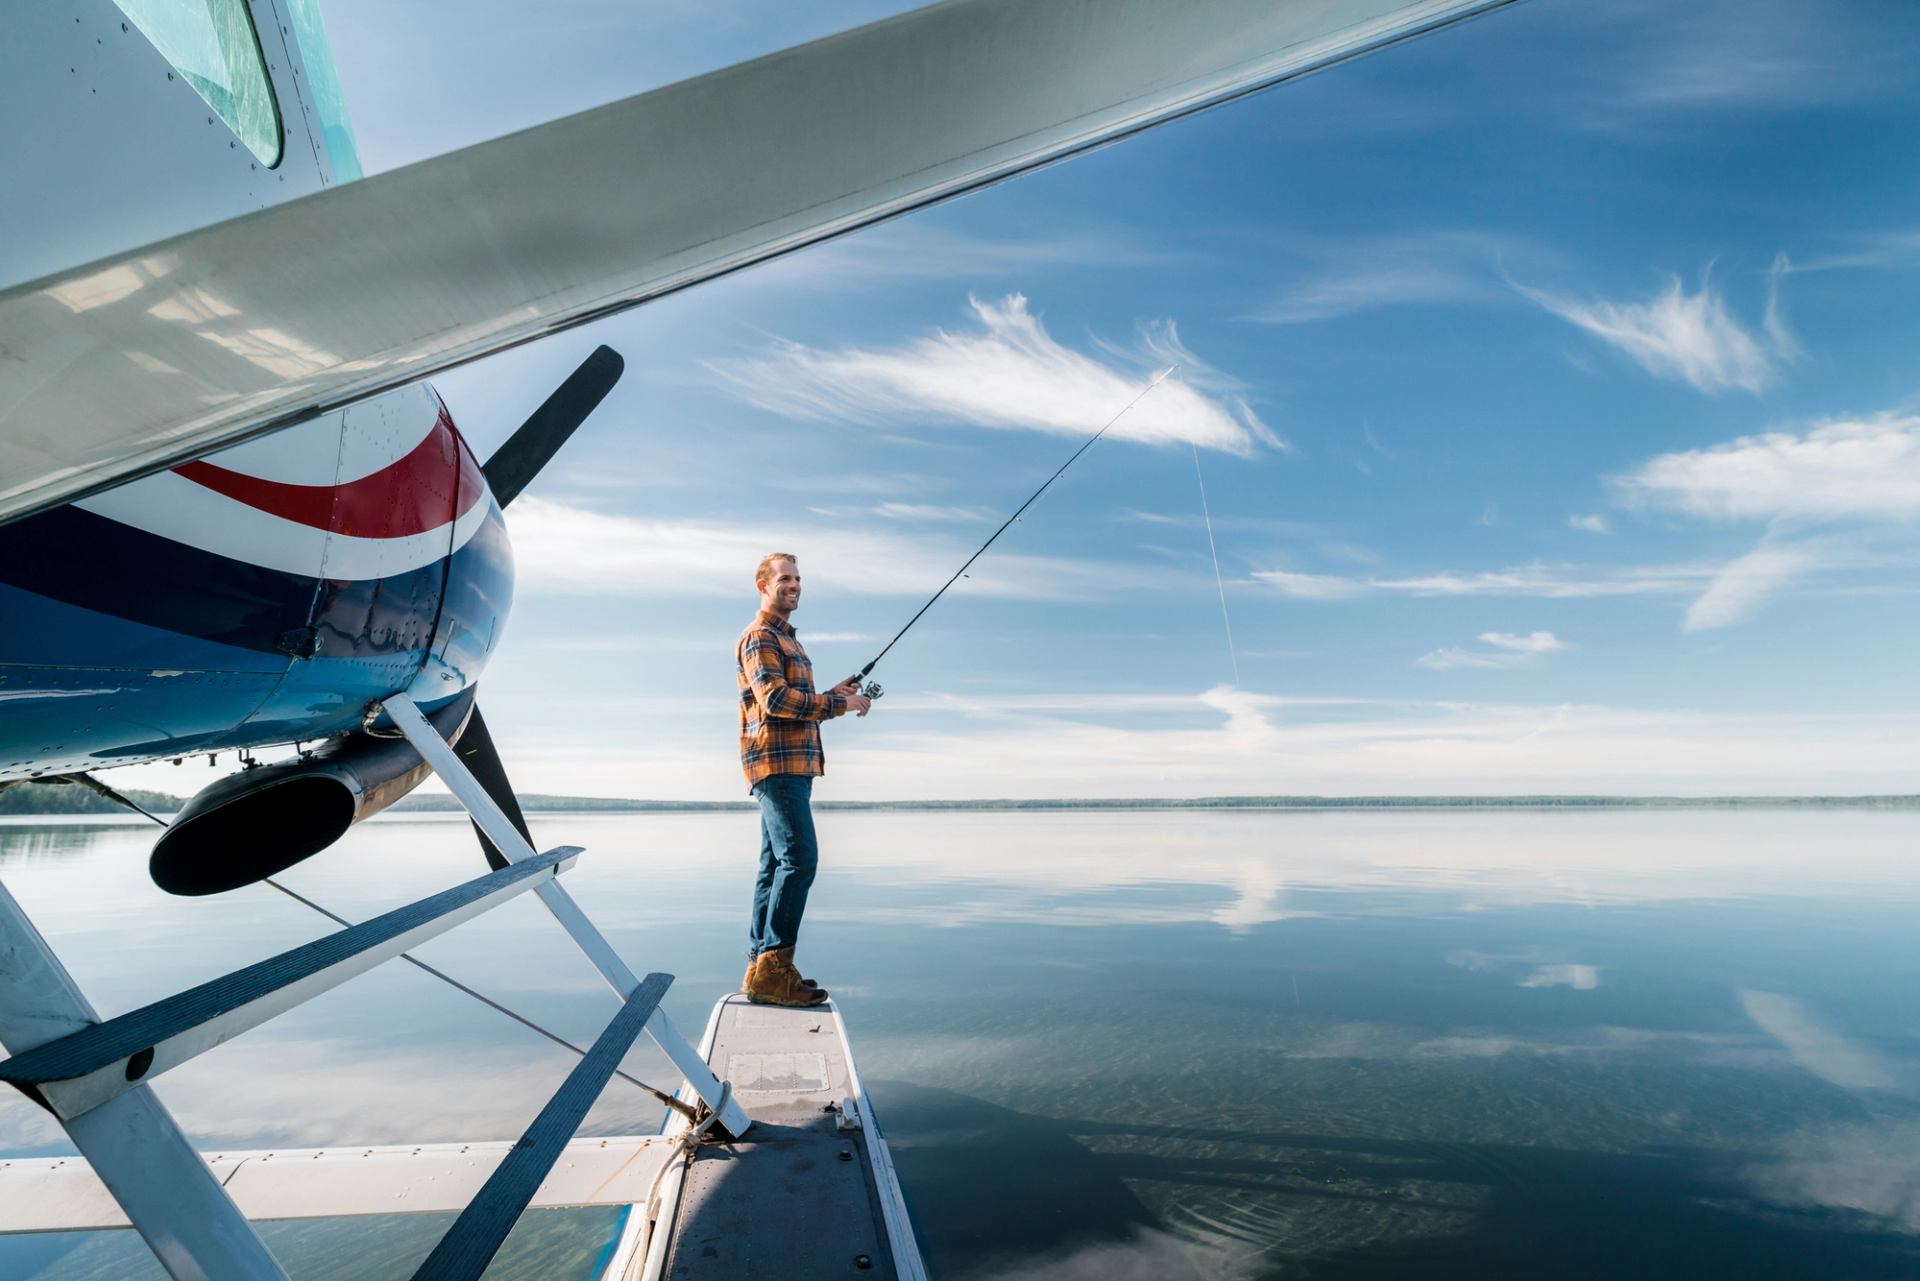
[780, 713]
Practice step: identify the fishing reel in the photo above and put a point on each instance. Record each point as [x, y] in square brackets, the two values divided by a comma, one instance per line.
[873, 689]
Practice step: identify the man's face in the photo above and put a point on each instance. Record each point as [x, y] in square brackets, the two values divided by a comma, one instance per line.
[781, 588]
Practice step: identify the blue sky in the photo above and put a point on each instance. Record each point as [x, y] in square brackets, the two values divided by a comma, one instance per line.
[1553, 380]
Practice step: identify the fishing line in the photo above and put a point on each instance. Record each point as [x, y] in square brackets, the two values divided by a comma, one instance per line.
[874, 691]
[1218, 582]
[677, 1105]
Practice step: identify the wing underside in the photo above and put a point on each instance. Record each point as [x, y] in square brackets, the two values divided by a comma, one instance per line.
[159, 355]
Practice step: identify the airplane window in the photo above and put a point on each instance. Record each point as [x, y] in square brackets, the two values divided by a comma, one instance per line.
[212, 44]
[323, 82]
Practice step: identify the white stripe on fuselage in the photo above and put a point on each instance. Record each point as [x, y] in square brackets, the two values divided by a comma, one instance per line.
[342, 446]
[174, 507]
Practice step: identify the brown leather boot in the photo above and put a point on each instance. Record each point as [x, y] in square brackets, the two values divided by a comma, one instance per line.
[746, 981]
[805, 982]
[774, 981]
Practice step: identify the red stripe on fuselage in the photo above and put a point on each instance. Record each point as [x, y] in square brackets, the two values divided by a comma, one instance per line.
[410, 495]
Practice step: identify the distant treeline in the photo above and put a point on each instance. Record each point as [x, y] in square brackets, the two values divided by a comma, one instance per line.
[71, 798]
[42, 798]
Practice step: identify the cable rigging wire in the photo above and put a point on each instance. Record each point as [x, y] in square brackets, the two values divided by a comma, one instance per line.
[95, 785]
[1218, 582]
[488, 1001]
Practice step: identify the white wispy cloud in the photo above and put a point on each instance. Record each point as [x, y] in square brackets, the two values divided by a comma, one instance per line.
[1531, 643]
[1312, 586]
[1871, 1169]
[1005, 371]
[929, 511]
[1685, 336]
[1581, 978]
[1862, 471]
[1504, 650]
[1738, 591]
[1866, 251]
[1552, 582]
[1724, 593]
[1344, 276]
[1740, 54]
[560, 548]
[1774, 317]
[1647, 66]
[1858, 467]
[1362, 288]
[1592, 524]
[1814, 1046]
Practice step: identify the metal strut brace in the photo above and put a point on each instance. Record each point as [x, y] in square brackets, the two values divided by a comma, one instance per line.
[75, 1074]
[436, 751]
[170, 1196]
[477, 1235]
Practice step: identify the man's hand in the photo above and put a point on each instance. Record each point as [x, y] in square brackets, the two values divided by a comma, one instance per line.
[851, 685]
[858, 704]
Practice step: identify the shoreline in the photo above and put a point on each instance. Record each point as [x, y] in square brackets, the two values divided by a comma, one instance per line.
[70, 803]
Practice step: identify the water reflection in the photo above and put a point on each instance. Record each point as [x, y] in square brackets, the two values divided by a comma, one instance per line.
[552, 1244]
[1245, 1045]
[24, 842]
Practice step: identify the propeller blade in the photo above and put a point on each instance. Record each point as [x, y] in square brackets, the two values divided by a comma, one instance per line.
[477, 752]
[536, 440]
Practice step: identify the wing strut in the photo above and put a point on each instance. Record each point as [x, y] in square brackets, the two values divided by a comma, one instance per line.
[505, 838]
[93, 1075]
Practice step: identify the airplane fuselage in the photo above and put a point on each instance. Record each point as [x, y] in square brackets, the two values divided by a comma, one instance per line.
[266, 594]
[269, 593]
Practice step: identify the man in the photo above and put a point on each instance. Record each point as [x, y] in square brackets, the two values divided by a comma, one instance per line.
[780, 715]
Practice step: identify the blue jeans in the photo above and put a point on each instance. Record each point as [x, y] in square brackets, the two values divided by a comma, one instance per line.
[788, 856]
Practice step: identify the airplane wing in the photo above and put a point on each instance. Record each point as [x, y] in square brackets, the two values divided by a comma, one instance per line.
[155, 356]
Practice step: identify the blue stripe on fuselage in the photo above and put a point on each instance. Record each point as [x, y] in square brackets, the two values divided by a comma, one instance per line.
[99, 564]
[81, 689]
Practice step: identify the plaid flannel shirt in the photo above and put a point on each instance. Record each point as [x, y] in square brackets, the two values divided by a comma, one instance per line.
[780, 713]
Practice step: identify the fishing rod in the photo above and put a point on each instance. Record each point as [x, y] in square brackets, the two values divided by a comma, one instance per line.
[873, 689]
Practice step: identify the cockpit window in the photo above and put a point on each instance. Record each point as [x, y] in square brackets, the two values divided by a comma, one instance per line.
[213, 46]
[323, 82]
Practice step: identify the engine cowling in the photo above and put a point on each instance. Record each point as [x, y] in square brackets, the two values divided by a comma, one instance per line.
[252, 825]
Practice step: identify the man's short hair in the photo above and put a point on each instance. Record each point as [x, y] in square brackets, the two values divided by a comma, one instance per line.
[765, 568]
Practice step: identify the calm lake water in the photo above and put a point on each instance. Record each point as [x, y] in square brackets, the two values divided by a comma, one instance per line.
[1119, 1045]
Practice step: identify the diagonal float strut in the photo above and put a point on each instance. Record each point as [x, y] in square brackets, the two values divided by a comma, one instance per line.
[514, 848]
[79, 1072]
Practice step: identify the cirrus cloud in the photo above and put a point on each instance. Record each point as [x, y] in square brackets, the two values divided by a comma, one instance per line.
[1504, 650]
[1861, 467]
[1738, 591]
[1006, 372]
[1552, 582]
[1685, 336]
[571, 550]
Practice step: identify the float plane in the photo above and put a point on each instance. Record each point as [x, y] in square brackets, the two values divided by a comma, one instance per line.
[235, 514]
